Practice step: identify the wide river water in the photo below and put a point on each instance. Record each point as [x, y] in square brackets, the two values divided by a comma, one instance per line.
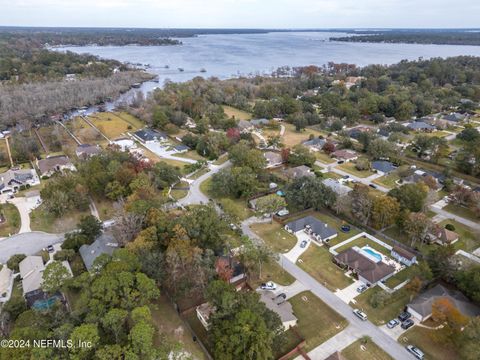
[226, 56]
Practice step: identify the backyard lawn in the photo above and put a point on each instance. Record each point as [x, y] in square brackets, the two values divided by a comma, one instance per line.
[317, 261]
[292, 137]
[192, 154]
[180, 190]
[350, 168]
[12, 220]
[436, 344]
[84, 132]
[238, 114]
[361, 351]
[461, 211]
[114, 125]
[278, 239]
[317, 322]
[380, 316]
[171, 328]
[272, 271]
[4, 161]
[40, 220]
[401, 276]
[361, 242]
[56, 138]
[468, 240]
[388, 181]
[320, 155]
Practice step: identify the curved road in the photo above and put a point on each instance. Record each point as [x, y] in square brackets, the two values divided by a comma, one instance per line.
[28, 243]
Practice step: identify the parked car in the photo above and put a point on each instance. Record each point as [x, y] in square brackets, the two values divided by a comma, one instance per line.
[373, 186]
[283, 212]
[360, 314]
[233, 226]
[340, 161]
[407, 324]
[50, 248]
[415, 351]
[303, 244]
[280, 299]
[392, 323]
[362, 288]
[404, 316]
[268, 286]
[346, 176]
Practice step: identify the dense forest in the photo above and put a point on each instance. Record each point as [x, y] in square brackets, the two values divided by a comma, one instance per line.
[444, 37]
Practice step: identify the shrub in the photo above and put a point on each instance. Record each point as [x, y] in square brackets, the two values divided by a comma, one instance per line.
[380, 299]
[450, 227]
[13, 262]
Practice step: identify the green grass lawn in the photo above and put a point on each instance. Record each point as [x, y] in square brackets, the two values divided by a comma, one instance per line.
[468, 240]
[230, 111]
[192, 154]
[278, 239]
[387, 181]
[362, 241]
[114, 125]
[350, 168]
[222, 159]
[461, 211]
[236, 208]
[171, 328]
[12, 220]
[199, 173]
[271, 271]
[320, 155]
[41, 220]
[106, 208]
[380, 316]
[401, 276]
[317, 322]
[436, 344]
[332, 175]
[197, 327]
[360, 351]
[317, 261]
[179, 192]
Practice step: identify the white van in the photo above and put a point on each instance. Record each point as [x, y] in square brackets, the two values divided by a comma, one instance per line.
[415, 352]
[360, 314]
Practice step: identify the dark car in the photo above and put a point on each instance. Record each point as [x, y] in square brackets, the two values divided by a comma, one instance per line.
[50, 248]
[373, 186]
[280, 299]
[407, 324]
[404, 316]
[303, 244]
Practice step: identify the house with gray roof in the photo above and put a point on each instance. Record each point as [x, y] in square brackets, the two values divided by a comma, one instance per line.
[312, 226]
[315, 144]
[383, 167]
[273, 159]
[11, 180]
[337, 187]
[298, 172]
[421, 306]
[104, 244]
[259, 122]
[421, 126]
[31, 272]
[147, 135]
[86, 151]
[453, 118]
[283, 309]
[53, 164]
[244, 126]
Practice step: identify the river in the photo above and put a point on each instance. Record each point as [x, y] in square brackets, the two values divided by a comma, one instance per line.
[231, 55]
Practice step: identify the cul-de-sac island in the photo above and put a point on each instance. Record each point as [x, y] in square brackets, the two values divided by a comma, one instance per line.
[239, 193]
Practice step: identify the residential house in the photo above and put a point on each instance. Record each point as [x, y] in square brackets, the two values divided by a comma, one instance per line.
[337, 187]
[403, 256]
[421, 306]
[351, 81]
[229, 265]
[273, 159]
[383, 167]
[443, 236]
[147, 136]
[421, 175]
[6, 283]
[345, 155]
[453, 118]
[259, 122]
[283, 309]
[181, 148]
[312, 226]
[357, 132]
[421, 126]
[369, 269]
[104, 244]
[11, 180]
[124, 144]
[86, 151]
[204, 312]
[244, 126]
[53, 164]
[315, 144]
[298, 172]
[31, 272]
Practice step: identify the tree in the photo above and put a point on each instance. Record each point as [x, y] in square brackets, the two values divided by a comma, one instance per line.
[469, 134]
[362, 164]
[417, 227]
[362, 203]
[414, 286]
[441, 263]
[309, 192]
[379, 299]
[328, 147]
[301, 155]
[90, 227]
[86, 333]
[165, 175]
[443, 310]
[381, 149]
[204, 227]
[14, 260]
[239, 182]
[470, 340]
[114, 322]
[54, 277]
[385, 211]
[270, 204]
[469, 282]
[411, 196]
[141, 340]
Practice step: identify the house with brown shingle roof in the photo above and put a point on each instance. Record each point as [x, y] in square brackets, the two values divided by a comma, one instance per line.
[53, 164]
[344, 155]
[444, 236]
[403, 256]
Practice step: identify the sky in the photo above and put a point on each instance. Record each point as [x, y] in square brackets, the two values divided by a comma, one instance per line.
[242, 13]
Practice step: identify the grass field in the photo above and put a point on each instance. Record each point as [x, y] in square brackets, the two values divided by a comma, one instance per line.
[236, 113]
[272, 271]
[320, 155]
[317, 322]
[380, 316]
[171, 328]
[461, 211]
[362, 351]
[4, 161]
[84, 132]
[12, 220]
[388, 181]
[278, 239]
[350, 168]
[291, 136]
[192, 154]
[106, 208]
[179, 192]
[436, 344]
[401, 276]
[317, 261]
[468, 240]
[56, 138]
[114, 125]
[40, 220]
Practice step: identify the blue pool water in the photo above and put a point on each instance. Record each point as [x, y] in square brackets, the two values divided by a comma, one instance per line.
[373, 253]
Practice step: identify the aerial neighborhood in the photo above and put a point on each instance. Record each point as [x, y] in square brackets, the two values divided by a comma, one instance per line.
[329, 213]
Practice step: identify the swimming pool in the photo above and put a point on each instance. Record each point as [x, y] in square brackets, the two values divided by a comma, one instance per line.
[373, 253]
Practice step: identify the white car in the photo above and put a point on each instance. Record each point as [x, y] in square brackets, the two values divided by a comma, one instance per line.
[415, 352]
[360, 314]
[268, 286]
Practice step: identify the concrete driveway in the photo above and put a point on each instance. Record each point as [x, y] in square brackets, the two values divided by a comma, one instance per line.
[349, 293]
[25, 205]
[397, 331]
[297, 251]
[27, 243]
[162, 152]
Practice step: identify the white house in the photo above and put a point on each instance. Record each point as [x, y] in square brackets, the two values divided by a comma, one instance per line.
[403, 256]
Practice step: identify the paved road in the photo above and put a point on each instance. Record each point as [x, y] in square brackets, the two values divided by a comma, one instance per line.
[449, 215]
[27, 243]
[358, 326]
[195, 196]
